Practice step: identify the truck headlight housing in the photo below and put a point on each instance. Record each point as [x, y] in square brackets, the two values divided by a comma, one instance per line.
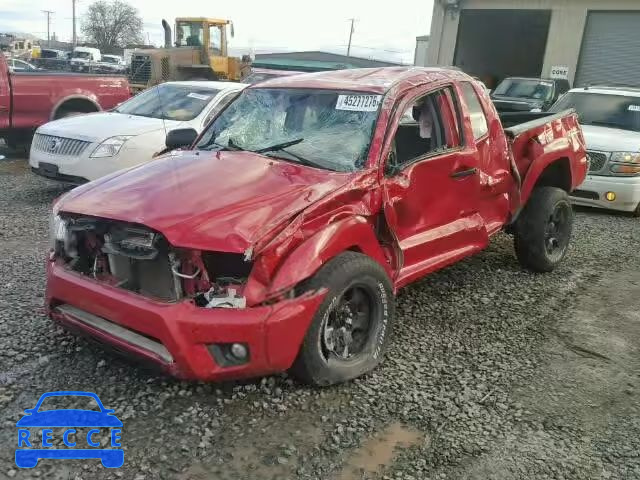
[57, 230]
[110, 147]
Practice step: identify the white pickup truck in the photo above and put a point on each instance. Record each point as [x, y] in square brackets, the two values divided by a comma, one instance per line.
[610, 119]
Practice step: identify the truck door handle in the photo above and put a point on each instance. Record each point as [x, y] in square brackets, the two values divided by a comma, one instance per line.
[464, 173]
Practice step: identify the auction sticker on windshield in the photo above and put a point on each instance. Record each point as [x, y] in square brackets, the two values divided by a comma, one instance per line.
[634, 108]
[359, 103]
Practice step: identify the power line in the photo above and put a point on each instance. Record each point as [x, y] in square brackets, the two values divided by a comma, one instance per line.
[48, 12]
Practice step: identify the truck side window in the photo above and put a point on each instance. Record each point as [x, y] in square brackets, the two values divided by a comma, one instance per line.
[478, 118]
[429, 125]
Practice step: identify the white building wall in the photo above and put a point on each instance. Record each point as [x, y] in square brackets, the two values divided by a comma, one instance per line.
[420, 57]
[568, 21]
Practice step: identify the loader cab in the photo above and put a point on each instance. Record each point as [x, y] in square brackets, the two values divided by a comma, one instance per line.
[208, 35]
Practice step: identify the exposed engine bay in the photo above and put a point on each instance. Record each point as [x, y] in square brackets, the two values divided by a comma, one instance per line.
[140, 260]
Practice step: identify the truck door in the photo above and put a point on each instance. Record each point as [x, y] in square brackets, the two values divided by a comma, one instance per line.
[5, 94]
[493, 162]
[431, 186]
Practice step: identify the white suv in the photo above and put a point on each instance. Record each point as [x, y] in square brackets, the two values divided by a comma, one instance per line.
[610, 119]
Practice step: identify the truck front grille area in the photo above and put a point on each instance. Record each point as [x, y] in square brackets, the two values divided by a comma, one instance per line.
[122, 255]
[145, 343]
[141, 260]
[597, 160]
[140, 69]
[59, 145]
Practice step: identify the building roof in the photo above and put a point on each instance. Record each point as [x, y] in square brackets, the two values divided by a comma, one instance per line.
[373, 80]
[314, 61]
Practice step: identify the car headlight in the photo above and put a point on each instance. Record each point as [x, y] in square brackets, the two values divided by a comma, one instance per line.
[110, 147]
[625, 157]
[57, 229]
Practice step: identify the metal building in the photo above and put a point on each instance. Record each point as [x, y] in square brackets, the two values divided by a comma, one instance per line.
[587, 41]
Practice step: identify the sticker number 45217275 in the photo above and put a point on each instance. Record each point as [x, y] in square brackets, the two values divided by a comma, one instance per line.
[359, 103]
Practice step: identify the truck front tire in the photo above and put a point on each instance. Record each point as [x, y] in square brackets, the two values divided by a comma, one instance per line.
[543, 230]
[352, 327]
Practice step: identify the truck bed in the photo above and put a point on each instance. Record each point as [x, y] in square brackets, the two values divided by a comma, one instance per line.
[537, 140]
[515, 123]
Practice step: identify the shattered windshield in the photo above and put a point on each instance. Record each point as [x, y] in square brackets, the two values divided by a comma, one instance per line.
[327, 129]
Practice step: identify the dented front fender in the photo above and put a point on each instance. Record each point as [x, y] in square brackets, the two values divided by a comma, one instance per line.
[352, 233]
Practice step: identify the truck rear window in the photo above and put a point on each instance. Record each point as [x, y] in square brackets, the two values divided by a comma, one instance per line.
[604, 110]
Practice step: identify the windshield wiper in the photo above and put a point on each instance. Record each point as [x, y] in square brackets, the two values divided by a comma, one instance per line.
[230, 146]
[279, 146]
[299, 159]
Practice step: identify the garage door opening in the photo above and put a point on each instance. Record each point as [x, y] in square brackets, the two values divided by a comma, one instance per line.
[610, 50]
[494, 44]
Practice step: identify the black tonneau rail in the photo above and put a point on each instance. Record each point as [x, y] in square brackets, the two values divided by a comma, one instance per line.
[515, 123]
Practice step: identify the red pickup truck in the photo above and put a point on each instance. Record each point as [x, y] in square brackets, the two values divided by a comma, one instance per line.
[278, 240]
[30, 99]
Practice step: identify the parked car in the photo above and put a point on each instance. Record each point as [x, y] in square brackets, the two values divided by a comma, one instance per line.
[610, 119]
[79, 149]
[278, 240]
[111, 64]
[29, 100]
[17, 65]
[261, 74]
[516, 94]
[51, 59]
[85, 59]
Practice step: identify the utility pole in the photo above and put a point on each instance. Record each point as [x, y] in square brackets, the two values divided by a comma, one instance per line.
[350, 36]
[48, 12]
[73, 8]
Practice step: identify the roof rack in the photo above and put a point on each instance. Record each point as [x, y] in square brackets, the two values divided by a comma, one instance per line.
[633, 88]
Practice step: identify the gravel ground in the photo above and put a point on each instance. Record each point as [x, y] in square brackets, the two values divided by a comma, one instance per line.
[493, 373]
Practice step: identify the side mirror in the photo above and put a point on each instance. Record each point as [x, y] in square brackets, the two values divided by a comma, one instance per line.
[180, 137]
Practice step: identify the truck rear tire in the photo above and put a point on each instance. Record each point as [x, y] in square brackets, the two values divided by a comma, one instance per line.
[352, 327]
[543, 230]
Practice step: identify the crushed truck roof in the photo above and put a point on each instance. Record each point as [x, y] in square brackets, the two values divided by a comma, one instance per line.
[374, 80]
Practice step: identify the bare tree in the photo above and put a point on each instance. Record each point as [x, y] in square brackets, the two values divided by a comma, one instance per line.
[112, 24]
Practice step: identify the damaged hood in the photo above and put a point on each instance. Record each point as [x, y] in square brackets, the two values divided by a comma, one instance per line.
[220, 201]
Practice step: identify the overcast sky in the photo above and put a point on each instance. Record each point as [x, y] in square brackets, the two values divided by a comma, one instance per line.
[386, 30]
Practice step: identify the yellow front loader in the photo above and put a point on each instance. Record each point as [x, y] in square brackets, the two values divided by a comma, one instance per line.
[199, 51]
